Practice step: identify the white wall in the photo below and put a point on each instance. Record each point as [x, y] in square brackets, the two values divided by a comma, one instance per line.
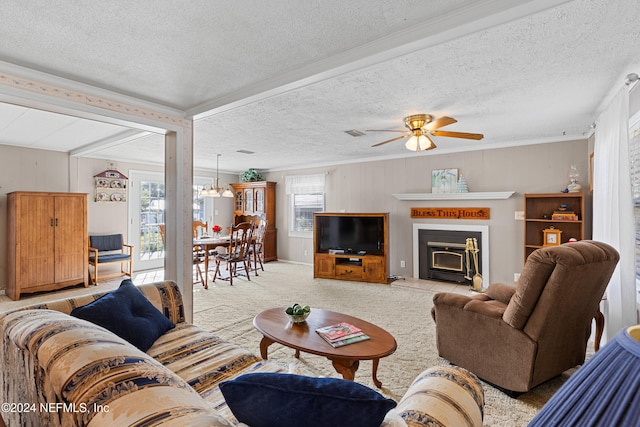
[368, 187]
[358, 187]
[24, 169]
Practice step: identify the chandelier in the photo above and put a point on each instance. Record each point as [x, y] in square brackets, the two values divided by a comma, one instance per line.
[217, 191]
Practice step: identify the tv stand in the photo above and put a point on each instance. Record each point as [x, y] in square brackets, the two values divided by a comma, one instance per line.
[358, 266]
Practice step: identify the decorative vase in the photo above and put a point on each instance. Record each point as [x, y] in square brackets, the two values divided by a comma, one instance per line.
[462, 185]
[574, 187]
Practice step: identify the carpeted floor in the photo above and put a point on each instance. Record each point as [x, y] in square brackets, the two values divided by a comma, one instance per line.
[402, 310]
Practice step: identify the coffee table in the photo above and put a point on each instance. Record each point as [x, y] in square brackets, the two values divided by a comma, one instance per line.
[275, 326]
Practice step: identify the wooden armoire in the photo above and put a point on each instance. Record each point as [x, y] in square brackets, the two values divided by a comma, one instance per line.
[257, 200]
[46, 241]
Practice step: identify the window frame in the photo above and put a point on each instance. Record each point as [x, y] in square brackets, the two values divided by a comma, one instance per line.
[293, 232]
[304, 185]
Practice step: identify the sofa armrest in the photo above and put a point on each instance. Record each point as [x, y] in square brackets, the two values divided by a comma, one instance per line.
[451, 299]
[59, 360]
[442, 395]
[490, 308]
[457, 301]
[501, 292]
[166, 297]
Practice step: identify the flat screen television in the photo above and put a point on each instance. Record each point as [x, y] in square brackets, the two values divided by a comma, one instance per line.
[350, 233]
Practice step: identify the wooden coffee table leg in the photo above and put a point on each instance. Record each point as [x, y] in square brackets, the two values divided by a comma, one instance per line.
[346, 367]
[374, 373]
[264, 345]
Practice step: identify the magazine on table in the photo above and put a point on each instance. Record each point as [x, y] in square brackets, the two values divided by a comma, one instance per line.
[342, 333]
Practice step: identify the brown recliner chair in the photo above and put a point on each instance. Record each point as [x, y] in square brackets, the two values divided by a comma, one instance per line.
[516, 337]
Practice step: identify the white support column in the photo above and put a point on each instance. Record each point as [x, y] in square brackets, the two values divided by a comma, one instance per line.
[179, 216]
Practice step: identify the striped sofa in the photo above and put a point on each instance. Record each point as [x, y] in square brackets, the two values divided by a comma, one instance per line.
[59, 370]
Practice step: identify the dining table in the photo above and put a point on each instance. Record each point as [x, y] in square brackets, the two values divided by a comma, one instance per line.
[207, 244]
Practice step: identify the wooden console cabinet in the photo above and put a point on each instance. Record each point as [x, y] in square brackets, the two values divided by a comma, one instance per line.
[46, 241]
[257, 200]
[538, 216]
[360, 268]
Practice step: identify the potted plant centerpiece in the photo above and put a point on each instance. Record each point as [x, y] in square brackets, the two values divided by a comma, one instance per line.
[251, 175]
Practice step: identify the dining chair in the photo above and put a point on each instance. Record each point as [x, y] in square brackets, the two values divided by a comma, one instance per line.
[256, 249]
[198, 251]
[237, 252]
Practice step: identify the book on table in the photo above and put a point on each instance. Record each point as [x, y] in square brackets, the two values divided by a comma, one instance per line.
[342, 333]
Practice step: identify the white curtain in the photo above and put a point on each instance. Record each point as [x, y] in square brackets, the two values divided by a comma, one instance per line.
[613, 220]
[304, 184]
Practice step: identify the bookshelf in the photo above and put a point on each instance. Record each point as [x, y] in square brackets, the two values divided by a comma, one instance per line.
[538, 211]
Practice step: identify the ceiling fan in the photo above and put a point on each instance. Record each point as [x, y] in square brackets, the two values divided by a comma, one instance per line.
[420, 127]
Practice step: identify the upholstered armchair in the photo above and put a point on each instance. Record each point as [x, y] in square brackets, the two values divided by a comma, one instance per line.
[516, 337]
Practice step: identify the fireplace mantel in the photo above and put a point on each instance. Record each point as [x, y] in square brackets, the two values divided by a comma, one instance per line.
[477, 195]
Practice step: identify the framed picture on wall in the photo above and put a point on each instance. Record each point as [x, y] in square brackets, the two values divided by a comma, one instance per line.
[444, 181]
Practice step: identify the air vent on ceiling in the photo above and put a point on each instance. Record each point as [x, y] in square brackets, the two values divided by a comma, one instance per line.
[354, 132]
[245, 152]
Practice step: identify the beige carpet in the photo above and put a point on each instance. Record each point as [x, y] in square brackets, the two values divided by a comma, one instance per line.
[228, 311]
[403, 309]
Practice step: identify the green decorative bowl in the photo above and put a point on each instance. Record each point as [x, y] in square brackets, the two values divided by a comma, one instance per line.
[298, 318]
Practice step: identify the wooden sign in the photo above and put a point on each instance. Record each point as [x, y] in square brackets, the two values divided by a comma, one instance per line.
[450, 213]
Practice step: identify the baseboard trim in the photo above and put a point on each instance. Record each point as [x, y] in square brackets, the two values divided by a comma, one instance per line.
[294, 262]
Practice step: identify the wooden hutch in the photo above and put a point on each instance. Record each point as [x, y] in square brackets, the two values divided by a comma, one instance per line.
[257, 200]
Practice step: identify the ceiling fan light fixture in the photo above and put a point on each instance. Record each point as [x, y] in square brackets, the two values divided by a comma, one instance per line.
[412, 143]
[419, 142]
[421, 127]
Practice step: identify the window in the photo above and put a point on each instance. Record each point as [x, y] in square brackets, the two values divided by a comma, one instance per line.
[199, 206]
[306, 196]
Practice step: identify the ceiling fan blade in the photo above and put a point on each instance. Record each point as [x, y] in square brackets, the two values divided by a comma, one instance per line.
[464, 135]
[391, 140]
[441, 122]
[385, 130]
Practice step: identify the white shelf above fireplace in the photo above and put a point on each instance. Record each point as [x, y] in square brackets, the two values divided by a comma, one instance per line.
[477, 195]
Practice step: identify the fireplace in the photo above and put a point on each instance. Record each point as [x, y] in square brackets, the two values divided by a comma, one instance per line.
[440, 252]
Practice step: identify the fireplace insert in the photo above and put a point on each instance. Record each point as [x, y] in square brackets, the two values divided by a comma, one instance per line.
[443, 255]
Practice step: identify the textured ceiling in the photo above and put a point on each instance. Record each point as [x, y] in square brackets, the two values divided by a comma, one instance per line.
[285, 79]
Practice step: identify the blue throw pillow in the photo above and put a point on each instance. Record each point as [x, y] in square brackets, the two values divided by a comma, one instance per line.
[275, 400]
[127, 313]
